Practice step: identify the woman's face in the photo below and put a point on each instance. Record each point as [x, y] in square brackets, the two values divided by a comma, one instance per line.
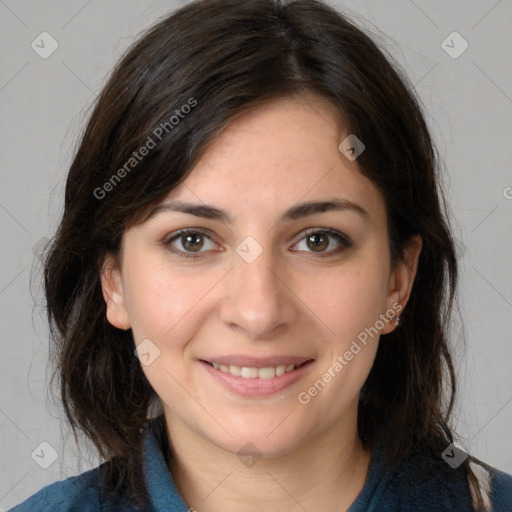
[261, 324]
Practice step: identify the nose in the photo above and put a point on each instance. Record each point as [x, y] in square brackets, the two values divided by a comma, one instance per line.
[257, 298]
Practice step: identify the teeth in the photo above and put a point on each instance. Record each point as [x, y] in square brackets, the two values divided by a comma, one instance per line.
[267, 373]
[248, 372]
[235, 370]
[280, 370]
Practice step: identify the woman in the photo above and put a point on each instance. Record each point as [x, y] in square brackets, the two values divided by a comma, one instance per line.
[252, 281]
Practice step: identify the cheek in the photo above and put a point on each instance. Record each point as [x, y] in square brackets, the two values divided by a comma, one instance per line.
[163, 301]
[348, 303]
[167, 306]
[346, 300]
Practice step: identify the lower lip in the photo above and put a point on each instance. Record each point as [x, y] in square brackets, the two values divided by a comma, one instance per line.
[256, 386]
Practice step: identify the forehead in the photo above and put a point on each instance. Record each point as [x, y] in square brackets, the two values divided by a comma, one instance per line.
[281, 153]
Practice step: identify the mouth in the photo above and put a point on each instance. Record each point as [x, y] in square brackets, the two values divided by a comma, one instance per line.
[257, 377]
[254, 372]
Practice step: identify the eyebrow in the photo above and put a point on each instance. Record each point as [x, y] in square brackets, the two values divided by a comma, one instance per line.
[295, 212]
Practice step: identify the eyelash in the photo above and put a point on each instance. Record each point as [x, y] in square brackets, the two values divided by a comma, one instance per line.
[344, 241]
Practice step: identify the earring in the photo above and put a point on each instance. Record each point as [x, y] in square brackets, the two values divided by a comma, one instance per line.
[397, 321]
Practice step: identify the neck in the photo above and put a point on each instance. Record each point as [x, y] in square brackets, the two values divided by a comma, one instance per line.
[325, 473]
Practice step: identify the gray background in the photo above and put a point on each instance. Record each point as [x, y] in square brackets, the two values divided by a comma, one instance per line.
[43, 105]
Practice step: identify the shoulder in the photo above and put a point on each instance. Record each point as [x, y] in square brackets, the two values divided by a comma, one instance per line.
[500, 490]
[426, 482]
[65, 495]
[80, 493]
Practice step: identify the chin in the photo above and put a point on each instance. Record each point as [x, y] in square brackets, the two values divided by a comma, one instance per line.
[260, 438]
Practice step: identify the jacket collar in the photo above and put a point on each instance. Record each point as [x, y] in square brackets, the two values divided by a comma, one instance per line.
[163, 494]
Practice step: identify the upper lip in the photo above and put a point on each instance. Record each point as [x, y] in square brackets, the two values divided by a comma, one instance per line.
[257, 362]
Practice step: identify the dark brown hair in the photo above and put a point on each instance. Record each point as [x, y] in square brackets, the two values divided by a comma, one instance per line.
[223, 58]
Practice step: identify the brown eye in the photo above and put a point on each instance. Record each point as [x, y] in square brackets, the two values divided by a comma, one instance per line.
[192, 241]
[318, 242]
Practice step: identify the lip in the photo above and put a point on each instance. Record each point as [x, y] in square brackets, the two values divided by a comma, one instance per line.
[257, 387]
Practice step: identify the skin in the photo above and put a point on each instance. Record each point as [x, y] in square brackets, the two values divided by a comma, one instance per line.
[289, 301]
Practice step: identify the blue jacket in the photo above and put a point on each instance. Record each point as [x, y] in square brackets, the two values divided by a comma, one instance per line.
[410, 487]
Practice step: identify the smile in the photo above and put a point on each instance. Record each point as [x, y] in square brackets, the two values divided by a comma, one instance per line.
[250, 372]
[250, 379]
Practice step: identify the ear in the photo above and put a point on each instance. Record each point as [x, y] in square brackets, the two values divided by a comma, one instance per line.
[113, 293]
[402, 279]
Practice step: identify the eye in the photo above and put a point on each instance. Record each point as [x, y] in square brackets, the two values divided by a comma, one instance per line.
[318, 239]
[191, 241]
